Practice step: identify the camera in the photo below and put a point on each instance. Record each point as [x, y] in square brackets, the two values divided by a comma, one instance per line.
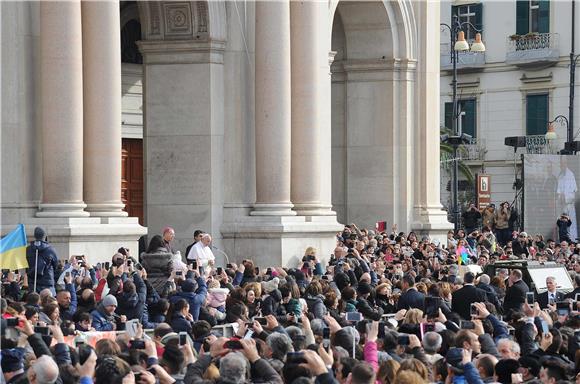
[137, 344]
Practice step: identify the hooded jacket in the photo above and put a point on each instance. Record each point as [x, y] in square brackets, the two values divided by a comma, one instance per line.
[47, 264]
[101, 320]
[216, 297]
[132, 305]
[316, 306]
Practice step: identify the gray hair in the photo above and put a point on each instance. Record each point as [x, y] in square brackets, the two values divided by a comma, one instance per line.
[513, 346]
[317, 326]
[234, 367]
[294, 331]
[45, 369]
[484, 279]
[432, 342]
[280, 344]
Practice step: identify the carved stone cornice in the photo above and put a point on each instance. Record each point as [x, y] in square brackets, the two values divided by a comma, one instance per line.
[182, 52]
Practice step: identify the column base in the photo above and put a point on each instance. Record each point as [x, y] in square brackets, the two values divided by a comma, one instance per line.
[279, 241]
[97, 238]
[62, 210]
[432, 221]
[106, 210]
[283, 209]
[313, 209]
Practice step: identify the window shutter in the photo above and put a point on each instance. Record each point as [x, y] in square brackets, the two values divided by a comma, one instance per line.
[536, 114]
[522, 16]
[544, 17]
[470, 119]
[448, 114]
[478, 8]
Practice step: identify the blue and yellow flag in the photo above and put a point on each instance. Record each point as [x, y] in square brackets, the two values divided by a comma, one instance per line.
[13, 249]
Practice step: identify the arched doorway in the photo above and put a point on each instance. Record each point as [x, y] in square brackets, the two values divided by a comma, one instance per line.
[132, 111]
[373, 78]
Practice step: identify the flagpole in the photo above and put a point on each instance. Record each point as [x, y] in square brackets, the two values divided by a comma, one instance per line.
[36, 269]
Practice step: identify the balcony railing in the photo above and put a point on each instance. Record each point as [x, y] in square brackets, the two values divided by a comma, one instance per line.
[465, 59]
[537, 145]
[533, 48]
[474, 151]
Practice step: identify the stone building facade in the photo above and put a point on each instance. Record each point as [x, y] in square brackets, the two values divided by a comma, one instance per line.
[265, 124]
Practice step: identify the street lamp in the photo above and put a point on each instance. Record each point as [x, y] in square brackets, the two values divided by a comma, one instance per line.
[458, 43]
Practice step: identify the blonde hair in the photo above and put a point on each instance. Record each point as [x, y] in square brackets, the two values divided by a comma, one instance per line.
[213, 284]
[256, 287]
[445, 289]
[416, 366]
[421, 287]
[408, 377]
[310, 251]
[388, 371]
[413, 316]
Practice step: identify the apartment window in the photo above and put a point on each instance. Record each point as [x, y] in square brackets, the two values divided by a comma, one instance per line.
[536, 114]
[467, 116]
[532, 16]
[471, 13]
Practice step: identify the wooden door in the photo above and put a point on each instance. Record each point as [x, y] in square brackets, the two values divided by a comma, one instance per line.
[132, 177]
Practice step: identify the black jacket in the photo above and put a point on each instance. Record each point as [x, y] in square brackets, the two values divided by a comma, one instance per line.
[367, 311]
[411, 299]
[543, 298]
[464, 297]
[47, 265]
[515, 296]
[491, 295]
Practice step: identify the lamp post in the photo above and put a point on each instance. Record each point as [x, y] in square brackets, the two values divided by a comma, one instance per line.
[458, 43]
[573, 61]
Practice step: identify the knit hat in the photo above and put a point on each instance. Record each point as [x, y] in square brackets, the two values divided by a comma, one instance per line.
[12, 359]
[109, 300]
[269, 286]
[39, 233]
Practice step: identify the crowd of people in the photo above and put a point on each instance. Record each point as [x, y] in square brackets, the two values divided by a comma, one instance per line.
[388, 307]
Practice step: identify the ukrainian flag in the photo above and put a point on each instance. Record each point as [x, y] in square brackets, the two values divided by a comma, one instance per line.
[13, 249]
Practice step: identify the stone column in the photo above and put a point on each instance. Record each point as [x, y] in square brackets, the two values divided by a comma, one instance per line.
[428, 216]
[307, 106]
[102, 107]
[273, 109]
[61, 83]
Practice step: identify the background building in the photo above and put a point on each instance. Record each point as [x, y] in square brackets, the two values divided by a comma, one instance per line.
[513, 89]
[263, 123]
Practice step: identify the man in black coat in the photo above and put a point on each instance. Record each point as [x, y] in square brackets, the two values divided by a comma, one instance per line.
[551, 296]
[411, 298]
[464, 297]
[515, 294]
